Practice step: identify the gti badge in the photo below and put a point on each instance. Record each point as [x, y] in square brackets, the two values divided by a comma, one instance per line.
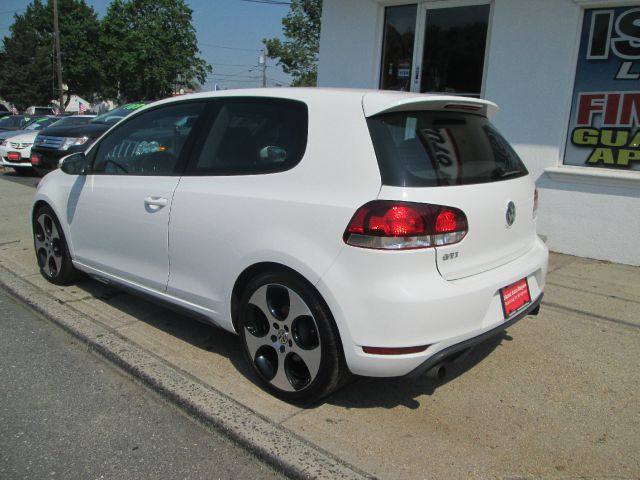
[511, 213]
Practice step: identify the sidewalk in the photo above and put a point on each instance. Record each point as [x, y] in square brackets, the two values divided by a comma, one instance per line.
[555, 397]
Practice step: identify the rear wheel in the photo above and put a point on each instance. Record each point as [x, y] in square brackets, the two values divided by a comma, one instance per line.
[289, 338]
[51, 248]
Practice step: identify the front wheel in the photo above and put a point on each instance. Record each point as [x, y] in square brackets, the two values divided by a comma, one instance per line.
[290, 339]
[51, 248]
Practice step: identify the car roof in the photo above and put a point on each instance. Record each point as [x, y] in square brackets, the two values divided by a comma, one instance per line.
[373, 101]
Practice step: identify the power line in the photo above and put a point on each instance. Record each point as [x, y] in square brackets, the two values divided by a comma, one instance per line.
[229, 48]
[268, 2]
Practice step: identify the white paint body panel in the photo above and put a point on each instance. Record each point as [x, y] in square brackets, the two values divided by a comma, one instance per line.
[192, 251]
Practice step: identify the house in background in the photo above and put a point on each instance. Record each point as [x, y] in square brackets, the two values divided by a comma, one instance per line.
[565, 73]
[75, 105]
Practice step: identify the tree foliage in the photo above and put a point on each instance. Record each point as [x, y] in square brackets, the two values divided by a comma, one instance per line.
[142, 49]
[150, 49]
[298, 54]
[26, 59]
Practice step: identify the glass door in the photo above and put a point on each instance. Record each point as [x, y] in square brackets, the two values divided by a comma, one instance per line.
[451, 48]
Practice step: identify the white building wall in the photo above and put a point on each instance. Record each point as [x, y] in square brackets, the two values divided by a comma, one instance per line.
[532, 54]
[349, 43]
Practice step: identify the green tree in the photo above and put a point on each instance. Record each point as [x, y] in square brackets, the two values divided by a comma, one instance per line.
[298, 54]
[26, 57]
[150, 49]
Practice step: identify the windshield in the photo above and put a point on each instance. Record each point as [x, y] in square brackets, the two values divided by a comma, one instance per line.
[428, 149]
[117, 114]
[41, 123]
[16, 121]
[67, 121]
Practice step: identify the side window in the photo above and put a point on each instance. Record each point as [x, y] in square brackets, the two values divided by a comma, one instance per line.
[149, 144]
[251, 135]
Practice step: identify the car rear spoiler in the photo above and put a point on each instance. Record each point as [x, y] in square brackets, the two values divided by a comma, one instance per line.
[398, 102]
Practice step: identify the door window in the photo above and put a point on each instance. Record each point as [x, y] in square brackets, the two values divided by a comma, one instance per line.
[252, 135]
[397, 47]
[150, 143]
[454, 50]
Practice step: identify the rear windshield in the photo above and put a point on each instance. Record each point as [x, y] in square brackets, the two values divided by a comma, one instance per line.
[426, 149]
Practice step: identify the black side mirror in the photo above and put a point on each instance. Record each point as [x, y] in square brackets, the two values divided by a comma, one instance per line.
[74, 164]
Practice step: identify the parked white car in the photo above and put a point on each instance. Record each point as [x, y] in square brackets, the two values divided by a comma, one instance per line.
[335, 231]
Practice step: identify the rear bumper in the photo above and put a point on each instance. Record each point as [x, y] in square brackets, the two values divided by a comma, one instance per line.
[447, 352]
[398, 299]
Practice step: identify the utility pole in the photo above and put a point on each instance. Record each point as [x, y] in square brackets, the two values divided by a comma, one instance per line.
[56, 33]
[263, 63]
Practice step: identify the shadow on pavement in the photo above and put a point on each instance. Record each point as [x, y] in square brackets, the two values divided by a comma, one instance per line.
[368, 392]
[359, 392]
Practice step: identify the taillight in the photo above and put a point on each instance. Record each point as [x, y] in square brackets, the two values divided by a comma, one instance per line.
[392, 225]
[535, 203]
[35, 159]
[13, 156]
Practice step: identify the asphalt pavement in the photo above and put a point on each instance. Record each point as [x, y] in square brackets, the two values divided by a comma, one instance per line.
[555, 396]
[68, 414]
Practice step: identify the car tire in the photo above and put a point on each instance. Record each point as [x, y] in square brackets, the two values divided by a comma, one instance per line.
[52, 252]
[290, 339]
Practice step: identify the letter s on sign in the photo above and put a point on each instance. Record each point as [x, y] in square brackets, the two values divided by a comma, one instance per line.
[627, 44]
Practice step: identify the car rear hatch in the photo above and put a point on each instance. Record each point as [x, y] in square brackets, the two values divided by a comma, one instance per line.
[444, 151]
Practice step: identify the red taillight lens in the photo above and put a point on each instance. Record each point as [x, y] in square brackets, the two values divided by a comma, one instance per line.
[446, 221]
[386, 224]
[398, 221]
[35, 159]
[13, 156]
[535, 203]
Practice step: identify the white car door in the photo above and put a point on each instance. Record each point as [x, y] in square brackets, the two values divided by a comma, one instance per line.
[119, 215]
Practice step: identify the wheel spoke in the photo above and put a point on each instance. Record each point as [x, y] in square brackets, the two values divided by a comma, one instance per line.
[311, 358]
[259, 299]
[281, 380]
[254, 343]
[39, 244]
[41, 220]
[57, 261]
[54, 231]
[297, 307]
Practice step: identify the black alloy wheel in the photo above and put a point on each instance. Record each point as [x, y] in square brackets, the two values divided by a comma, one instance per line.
[290, 339]
[51, 248]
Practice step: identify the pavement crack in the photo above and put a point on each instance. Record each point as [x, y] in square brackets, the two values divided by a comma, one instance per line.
[593, 316]
[2, 244]
[606, 295]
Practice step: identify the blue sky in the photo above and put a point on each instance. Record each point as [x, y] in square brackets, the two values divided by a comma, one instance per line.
[236, 25]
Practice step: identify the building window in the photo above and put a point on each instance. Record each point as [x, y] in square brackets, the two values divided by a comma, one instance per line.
[454, 49]
[605, 111]
[397, 47]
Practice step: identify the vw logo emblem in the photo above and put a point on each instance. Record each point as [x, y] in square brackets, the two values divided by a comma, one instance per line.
[283, 336]
[511, 213]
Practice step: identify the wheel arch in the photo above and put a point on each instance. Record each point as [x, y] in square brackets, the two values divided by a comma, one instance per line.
[268, 267]
[45, 201]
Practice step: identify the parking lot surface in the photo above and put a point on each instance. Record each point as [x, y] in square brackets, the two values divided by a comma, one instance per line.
[556, 396]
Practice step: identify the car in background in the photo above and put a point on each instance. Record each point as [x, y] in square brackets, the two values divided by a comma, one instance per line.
[39, 111]
[17, 122]
[57, 141]
[15, 145]
[335, 231]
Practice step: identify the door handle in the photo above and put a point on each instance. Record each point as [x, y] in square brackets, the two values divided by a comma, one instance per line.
[158, 202]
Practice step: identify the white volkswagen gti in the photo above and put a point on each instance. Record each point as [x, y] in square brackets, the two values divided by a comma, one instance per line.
[335, 231]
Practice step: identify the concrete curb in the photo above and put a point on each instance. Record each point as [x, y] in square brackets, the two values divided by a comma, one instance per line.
[272, 443]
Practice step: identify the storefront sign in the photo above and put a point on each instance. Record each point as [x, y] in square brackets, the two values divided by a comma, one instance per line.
[605, 113]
